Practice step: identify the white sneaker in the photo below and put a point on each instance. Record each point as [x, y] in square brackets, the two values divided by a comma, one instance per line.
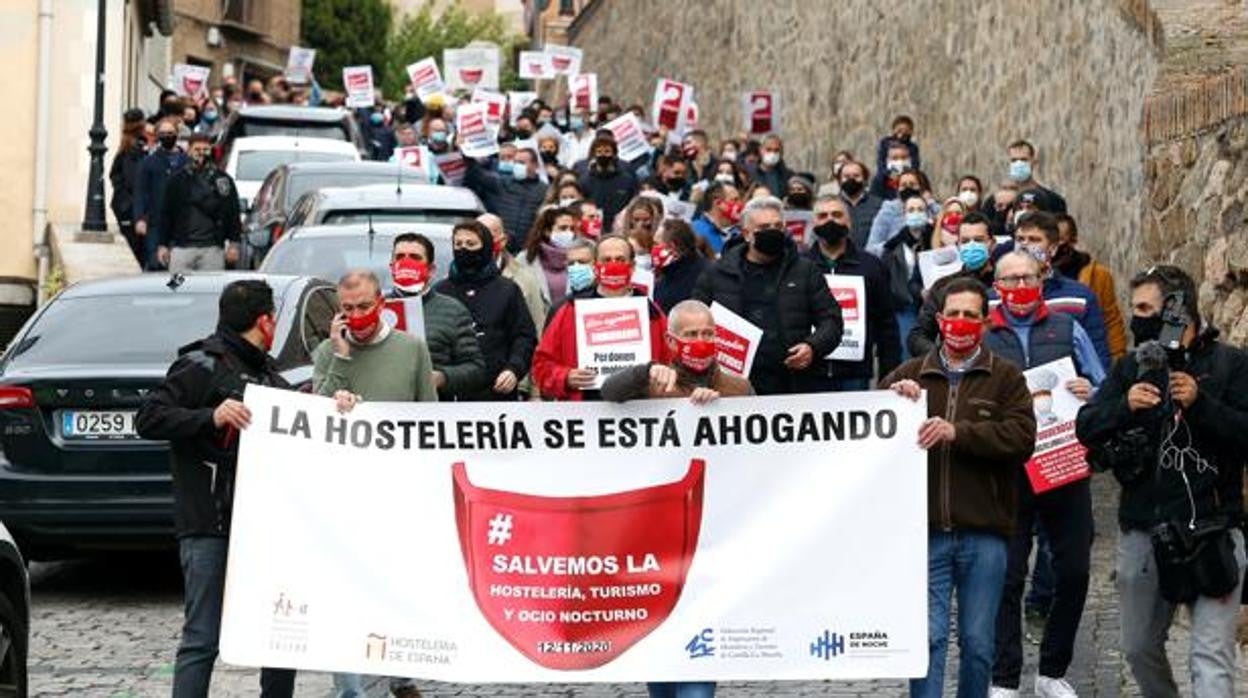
[998, 692]
[1054, 688]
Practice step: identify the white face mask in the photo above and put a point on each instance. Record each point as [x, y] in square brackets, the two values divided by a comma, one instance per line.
[729, 155]
[564, 203]
[562, 238]
[898, 166]
[771, 158]
[968, 197]
[725, 178]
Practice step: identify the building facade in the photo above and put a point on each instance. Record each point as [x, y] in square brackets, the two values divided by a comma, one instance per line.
[241, 39]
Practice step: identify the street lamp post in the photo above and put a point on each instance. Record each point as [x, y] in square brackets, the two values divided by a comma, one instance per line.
[93, 219]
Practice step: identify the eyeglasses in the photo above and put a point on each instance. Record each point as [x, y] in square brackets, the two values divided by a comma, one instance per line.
[1019, 280]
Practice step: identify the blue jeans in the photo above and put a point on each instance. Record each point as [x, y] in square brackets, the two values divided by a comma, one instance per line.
[203, 571]
[972, 564]
[906, 320]
[682, 689]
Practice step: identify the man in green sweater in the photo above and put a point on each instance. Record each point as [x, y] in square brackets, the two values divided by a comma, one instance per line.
[366, 359]
[458, 364]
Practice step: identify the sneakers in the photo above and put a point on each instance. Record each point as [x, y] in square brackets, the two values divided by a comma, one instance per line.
[998, 692]
[1054, 688]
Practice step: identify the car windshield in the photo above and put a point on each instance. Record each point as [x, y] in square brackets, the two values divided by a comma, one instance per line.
[395, 215]
[330, 257]
[142, 329]
[305, 129]
[304, 183]
[255, 165]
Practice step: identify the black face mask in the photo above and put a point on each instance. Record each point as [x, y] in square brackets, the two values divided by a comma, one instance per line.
[769, 241]
[523, 133]
[674, 184]
[800, 199]
[831, 232]
[907, 193]
[851, 187]
[549, 157]
[604, 161]
[472, 260]
[1146, 329]
[168, 142]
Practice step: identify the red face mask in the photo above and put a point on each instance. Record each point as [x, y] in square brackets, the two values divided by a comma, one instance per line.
[362, 326]
[732, 211]
[603, 540]
[661, 256]
[951, 222]
[268, 329]
[410, 275]
[960, 334]
[1020, 301]
[499, 244]
[614, 276]
[697, 355]
[591, 227]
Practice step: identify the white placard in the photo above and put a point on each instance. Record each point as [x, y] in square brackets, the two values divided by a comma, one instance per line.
[426, 79]
[405, 315]
[670, 108]
[358, 82]
[535, 65]
[850, 293]
[1059, 459]
[612, 334]
[190, 80]
[495, 106]
[760, 112]
[936, 264]
[452, 166]
[470, 68]
[299, 64]
[630, 141]
[516, 103]
[564, 60]
[476, 139]
[643, 280]
[583, 93]
[736, 340]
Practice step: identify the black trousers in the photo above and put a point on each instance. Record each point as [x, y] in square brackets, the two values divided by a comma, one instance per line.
[1066, 516]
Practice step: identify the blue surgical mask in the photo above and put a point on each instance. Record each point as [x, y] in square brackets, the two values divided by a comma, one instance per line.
[210, 116]
[519, 170]
[376, 118]
[504, 166]
[580, 277]
[974, 254]
[438, 137]
[916, 220]
[576, 123]
[1020, 170]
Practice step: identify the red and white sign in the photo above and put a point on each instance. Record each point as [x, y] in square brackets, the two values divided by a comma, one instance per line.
[850, 293]
[358, 81]
[476, 138]
[1059, 458]
[936, 264]
[643, 280]
[190, 80]
[405, 315]
[799, 224]
[470, 68]
[535, 65]
[671, 105]
[761, 112]
[452, 166]
[736, 340]
[583, 92]
[630, 141]
[612, 334]
[495, 106]
[411, 155]
[299, 64]
[516, 103]
[426, 78]
[564, 60]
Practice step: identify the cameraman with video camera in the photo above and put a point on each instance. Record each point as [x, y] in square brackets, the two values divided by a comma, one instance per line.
[1171, 423]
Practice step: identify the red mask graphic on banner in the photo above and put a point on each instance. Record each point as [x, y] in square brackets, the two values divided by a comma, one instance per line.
[613, 276]
[961, 334]
[471, 76]
[610, 567]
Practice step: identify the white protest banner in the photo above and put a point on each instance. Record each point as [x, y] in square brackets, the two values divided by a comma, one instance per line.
[470, 68]
[452, 166]
[573, 542]
[643, 280]
[583, 93]
[516, 102]
[535, 65]
[736, 340]
[936, 264]
[358, 81]
[189, 80]
[630, 141]
[495, 106]
[405, 315]
[671, 104]
[1059, 458]
[675, 208]
[760, 112]
[299, 64]
[612, 334]
[850, 293]
[413, 156]
[564, 60]
[476, 140]
[426, 78]
[799, 224]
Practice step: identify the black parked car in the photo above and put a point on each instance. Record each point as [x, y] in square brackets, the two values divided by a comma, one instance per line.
[14, 618]
[73, 473]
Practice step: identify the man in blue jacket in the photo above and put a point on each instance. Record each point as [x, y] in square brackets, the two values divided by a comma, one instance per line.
[513, 197]
[149, 187]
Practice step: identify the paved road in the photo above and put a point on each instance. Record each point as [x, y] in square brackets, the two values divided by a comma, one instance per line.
[107, 627]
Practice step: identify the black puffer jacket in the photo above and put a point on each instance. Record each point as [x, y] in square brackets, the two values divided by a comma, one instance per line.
[205, 374]
[505, 330]
[514, 200]
[802, 302]
[1218, 426]
[674, 283]
[610, 189]
[123, 175]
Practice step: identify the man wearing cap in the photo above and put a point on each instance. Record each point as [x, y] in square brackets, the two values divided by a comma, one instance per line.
[607, 181]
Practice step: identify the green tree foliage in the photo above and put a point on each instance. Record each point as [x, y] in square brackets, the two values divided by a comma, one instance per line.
[348, 32]
[423, 33]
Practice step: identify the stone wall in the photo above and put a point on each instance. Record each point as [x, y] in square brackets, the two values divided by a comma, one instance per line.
[1069, 75]
[1196, 214]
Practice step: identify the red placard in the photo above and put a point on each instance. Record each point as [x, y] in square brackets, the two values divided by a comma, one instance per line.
[732, 348]
[1060, 466]
[614, 327]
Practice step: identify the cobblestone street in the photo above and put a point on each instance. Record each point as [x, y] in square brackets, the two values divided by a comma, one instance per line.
[109, 626]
